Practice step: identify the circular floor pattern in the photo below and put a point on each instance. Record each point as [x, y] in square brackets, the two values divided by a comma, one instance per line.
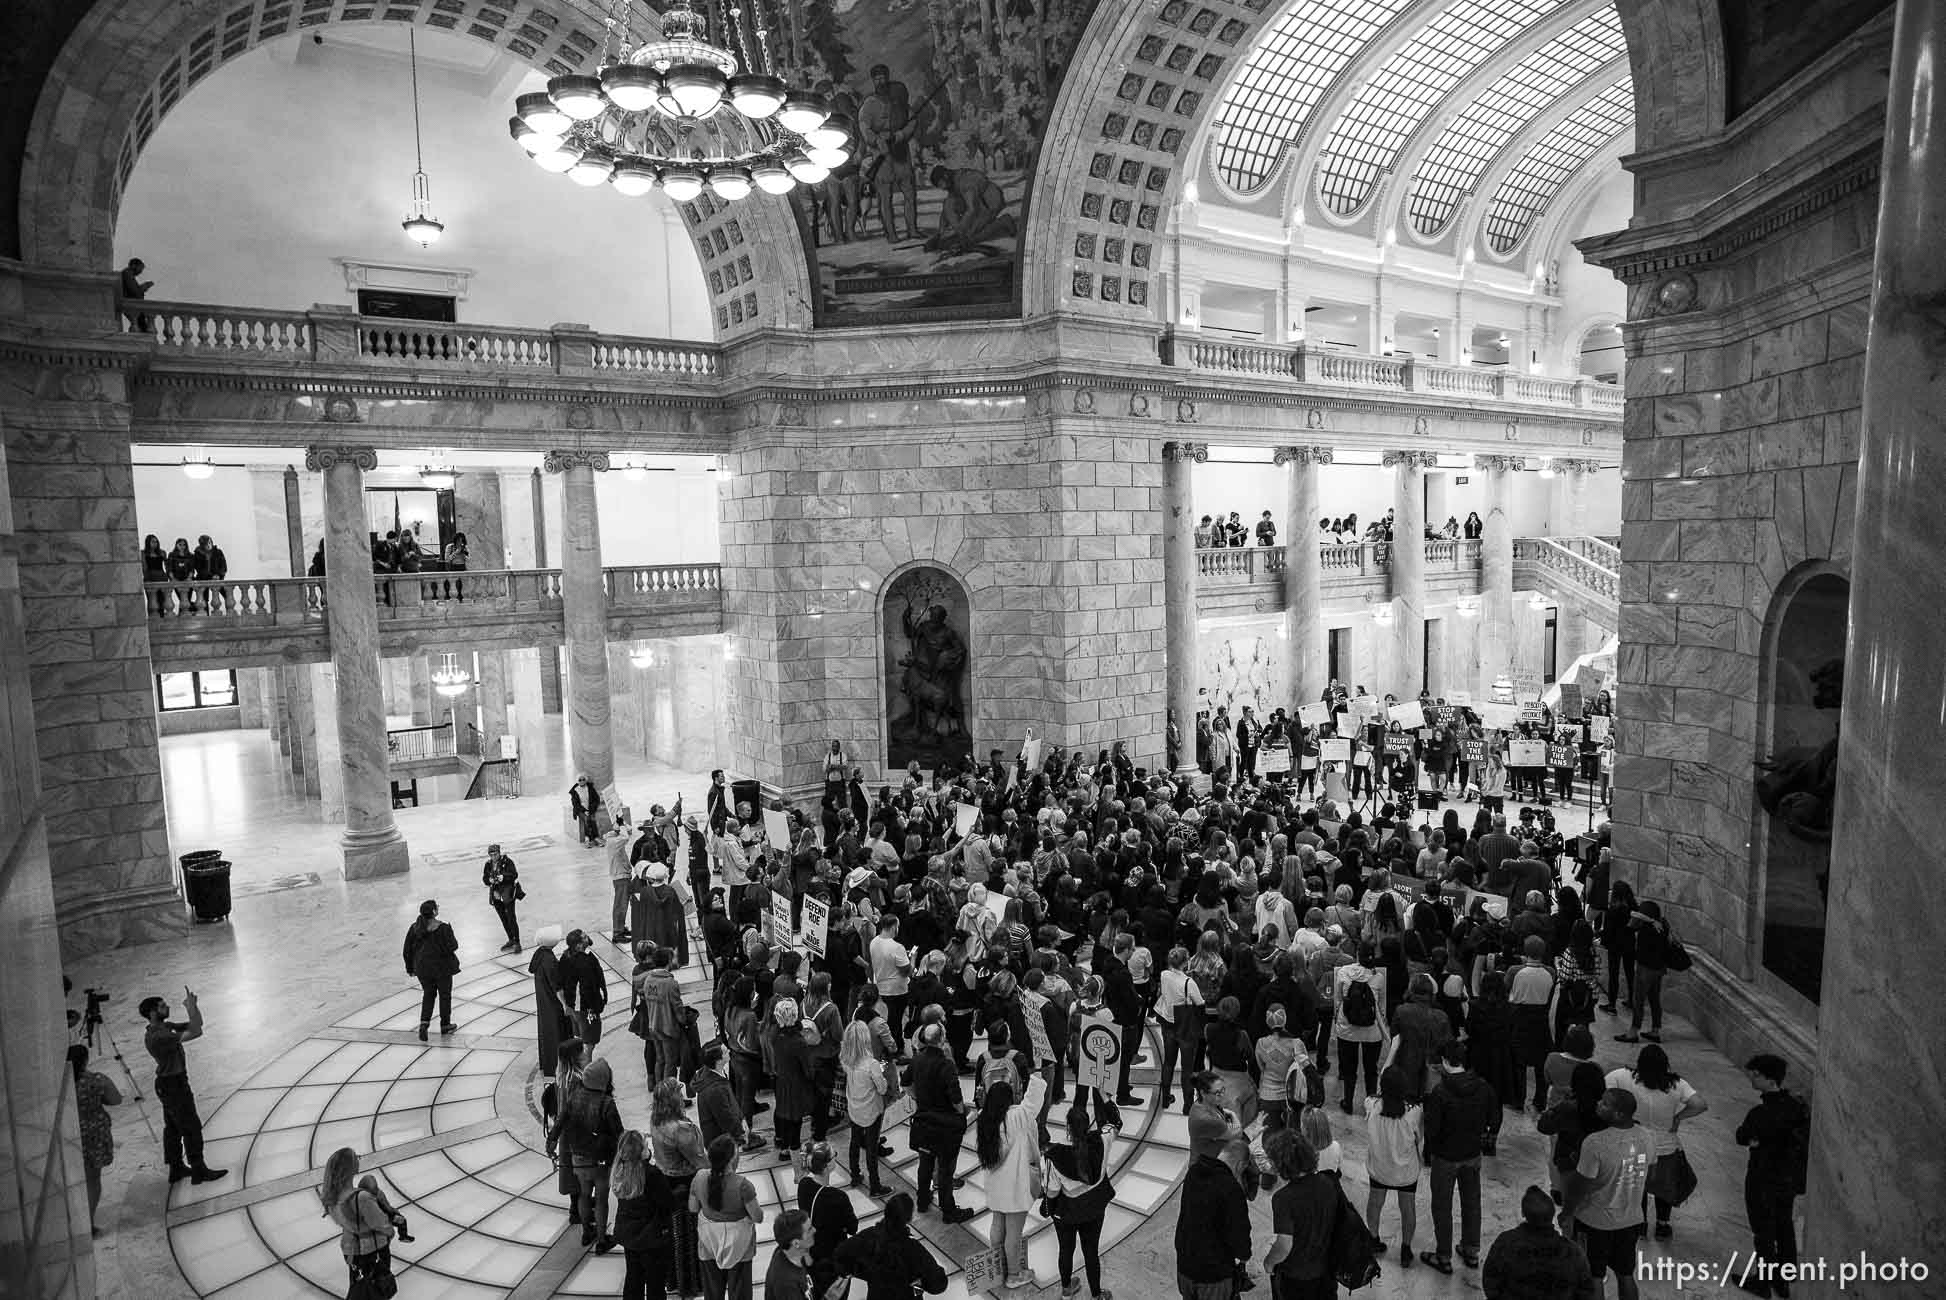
[446, 1125]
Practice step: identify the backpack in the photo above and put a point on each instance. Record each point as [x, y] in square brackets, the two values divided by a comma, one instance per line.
[1577, 996]
[1304, 1075]
[1361, 1008]
[1354, 1253]
[995, 1069]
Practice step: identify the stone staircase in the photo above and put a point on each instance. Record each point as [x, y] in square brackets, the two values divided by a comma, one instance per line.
[1581, 574]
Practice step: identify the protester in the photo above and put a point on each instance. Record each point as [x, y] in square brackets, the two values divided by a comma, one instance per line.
[1663, 1100]
[1531, 1261]
[1604, 1194]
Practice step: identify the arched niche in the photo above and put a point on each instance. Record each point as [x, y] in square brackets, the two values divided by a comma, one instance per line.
[1797, 774]
[926, 629]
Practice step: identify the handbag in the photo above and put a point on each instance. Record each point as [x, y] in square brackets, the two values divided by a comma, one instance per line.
[1677, 957]
[373, 1280]
[898, 1111]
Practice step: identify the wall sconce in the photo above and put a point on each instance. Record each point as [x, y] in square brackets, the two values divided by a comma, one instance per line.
[1467, 607]
[1382, 612]
[197, 465]
[1539, 602]
[729, 649]
[642, 656]
[1547, 469]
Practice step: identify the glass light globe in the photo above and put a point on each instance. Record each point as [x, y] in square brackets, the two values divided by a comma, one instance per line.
[755, 95]
[730, 183]
[633, 177]
[830, 159]
[802, 111]
[592, 167]
[423, 228]
[538, 111]
[682, 183]
[835, 132]
[528, 138]
[805, 171]
[558, 159]
[771, 178]
[578, 96]
[631, 88]
[197, 467]
[697, 89]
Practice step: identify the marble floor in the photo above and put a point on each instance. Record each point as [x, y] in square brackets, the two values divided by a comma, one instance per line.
[310, 1046]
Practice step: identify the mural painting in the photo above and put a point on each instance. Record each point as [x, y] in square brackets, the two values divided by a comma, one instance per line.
[927, 670]
[950, 98]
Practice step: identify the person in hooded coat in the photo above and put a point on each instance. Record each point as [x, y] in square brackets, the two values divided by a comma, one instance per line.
[665, 920]
[553, 1017]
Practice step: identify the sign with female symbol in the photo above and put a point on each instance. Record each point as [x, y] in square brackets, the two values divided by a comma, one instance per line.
[1101, 1051]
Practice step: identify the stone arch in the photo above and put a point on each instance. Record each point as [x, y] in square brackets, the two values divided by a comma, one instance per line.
[915, 725]
[1145, 80]
[126, 65]
[1794, 765]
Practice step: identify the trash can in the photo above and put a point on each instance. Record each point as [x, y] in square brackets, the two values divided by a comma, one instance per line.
[206, 885]
[747, 792]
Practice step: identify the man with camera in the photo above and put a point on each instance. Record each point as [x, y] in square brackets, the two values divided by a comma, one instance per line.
[182, 1128]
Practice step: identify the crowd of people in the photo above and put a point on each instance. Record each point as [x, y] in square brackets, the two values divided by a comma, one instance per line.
[1214, 532]
[180, 564]
[1436, 979]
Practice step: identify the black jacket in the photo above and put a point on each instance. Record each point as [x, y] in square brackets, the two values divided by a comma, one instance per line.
[431, 955]
[642, 1222]
[1213, 1230]
[892, 1270]
[716, 1107]
[1459, 1113]
[1776, 1131]
[1534, 1262]
[1118, 992]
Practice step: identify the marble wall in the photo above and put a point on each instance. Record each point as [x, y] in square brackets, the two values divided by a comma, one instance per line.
[1746, 356]
[71, 481]
[1053, 528]
[43, 1201]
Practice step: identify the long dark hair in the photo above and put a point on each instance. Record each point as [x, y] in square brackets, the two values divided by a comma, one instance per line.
[895, 1229]
[1652, 1069]
[993, 1117]
[721, 1153]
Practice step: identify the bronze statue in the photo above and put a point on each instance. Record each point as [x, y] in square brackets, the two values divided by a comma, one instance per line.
[933, 667]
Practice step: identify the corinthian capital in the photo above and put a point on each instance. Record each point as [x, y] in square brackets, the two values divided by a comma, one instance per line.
[1182, 452]
[365, 458]
[1410, 460]
[560, 461]
[1498, 464]
[1570, 465]
[1302, 456]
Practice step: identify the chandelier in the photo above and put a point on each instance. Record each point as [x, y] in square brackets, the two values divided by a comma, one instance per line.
[686, 113]
[449, 679]
[419, 223]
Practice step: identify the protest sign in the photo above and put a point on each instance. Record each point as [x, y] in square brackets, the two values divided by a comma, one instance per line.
[1399, 743]
[1030, 749]
[1276, 757]
[1336, 751]
[1562, 755]
[1473, 751]
[983, 1270]
[1499, 717]
[1032, 1005]
[1496, 904]
[1531, 711]
[1314, 715]
[1463, 699]
[1598, 727]
[1570, 701]
[777, 830]
[814, 925]
[965, 817]
[1364, 706]
[1527, 753]
[780, 922]
[1408, 714]
[1100, 1052]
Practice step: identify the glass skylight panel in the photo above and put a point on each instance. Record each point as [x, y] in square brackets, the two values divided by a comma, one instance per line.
[1283, 79]
[1366, 140]
[1468, 143]
[1532, 184]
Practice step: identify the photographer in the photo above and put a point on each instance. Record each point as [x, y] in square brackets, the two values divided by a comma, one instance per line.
[182, 1128]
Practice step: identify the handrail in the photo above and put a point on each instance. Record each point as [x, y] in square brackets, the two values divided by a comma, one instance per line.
[407, 744]
[1344, 368]
[244, 602]
[1241, 563]
[1567, 563]
[197, 329]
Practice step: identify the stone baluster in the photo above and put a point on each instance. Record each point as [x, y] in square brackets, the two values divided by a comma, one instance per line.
[372, 844]
[1408, 568]
[1303, 568]
[584, 616]
[1179, 560]
[1875, 1179]
[1496, 571]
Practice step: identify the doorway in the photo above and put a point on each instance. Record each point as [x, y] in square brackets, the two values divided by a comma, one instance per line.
[1337, 654]
[1551, 647]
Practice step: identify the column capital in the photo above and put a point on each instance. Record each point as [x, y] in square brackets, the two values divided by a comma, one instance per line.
[560, 461]
[1572, 465]
[1302, 456]
[1185, 451]
[1498, 464]
[322, 457]
[1410, 460]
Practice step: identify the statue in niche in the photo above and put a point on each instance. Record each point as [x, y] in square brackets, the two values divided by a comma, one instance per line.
[1797, 786]
[932, 671]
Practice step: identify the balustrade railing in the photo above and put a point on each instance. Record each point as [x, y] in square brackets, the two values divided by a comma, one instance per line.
[661, 579]
[1337, 367]
[255, 600]
[1364, 559]
[406, 744]
[1570, 565]
[1604, 553]
[201, 329]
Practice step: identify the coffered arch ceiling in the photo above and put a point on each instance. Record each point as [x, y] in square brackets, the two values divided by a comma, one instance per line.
[1415, 118]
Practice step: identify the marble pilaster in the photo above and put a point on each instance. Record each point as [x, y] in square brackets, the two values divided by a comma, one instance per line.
[324, 778]
[372, 843]
[584, 616]
[1874, 1183]
[492, 692]
[550, 662]
[1303, 569]
[274, 711]
[529, 717]
[1179, 461]
[1408, 568]
[477, 513]
[294, 521]
[424, 709]
[306, 762]
[1496, 570]
[1575, 476]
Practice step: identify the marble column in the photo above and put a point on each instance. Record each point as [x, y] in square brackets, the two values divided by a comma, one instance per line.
[477, 513]
[294, 521]
[372, 844]
[423, 714]
[550, 661]
[1303, 569]
[530, 717]
[1407, 567]
[493, 701]
[1575, 476]
[1179, 461]
[305, 760]
[325, 778]
[584, 617]
[1875, 1181]
[1496, 570]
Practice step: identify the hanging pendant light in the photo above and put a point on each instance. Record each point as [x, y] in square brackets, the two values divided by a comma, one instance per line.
[449, 679]
[419, 224]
